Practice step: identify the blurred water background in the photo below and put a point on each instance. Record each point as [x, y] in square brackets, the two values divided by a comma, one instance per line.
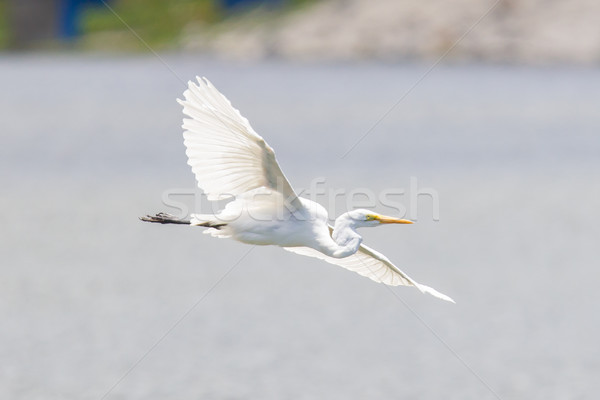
[91, 141]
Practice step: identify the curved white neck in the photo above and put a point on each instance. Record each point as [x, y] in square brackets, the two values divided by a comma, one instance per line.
[346, 240]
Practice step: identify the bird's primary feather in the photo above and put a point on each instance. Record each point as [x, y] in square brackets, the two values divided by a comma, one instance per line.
[371, 264]
[227, 156]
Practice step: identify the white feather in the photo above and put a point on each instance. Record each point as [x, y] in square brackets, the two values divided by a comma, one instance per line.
[227, 156]
[373, 265]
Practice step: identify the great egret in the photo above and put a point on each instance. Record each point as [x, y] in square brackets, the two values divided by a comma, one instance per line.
[229, 158]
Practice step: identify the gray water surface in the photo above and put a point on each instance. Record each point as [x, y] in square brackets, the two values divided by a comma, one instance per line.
[86, 290]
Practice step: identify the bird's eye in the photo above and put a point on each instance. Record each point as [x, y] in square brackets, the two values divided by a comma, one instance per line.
[371, 217]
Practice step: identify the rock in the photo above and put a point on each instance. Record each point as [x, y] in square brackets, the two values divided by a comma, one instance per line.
[512, 31]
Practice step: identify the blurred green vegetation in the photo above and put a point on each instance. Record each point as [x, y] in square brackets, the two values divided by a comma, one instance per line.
[3, 26]
[158, 22]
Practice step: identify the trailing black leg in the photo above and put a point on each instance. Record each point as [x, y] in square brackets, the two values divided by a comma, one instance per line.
[164, 218]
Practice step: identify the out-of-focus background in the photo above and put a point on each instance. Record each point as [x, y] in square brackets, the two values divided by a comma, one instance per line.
[501, 31]
[494, 105]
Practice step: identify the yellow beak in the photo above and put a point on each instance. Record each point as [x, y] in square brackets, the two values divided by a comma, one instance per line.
[391, 220]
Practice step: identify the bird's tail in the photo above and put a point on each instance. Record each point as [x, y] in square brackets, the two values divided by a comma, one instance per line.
[164, 218]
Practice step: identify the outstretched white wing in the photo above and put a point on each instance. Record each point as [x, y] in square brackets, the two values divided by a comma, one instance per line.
[226, 155]
[372, 264]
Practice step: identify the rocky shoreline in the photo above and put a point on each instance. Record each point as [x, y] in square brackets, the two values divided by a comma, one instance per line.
[537, 32]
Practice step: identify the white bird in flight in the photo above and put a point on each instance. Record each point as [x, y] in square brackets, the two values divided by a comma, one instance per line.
[229, 158]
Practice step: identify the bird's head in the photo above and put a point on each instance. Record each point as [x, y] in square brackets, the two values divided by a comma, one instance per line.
[366, 218]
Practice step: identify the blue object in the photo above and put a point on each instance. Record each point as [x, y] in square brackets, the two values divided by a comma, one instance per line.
[70, 16]
[241, 4]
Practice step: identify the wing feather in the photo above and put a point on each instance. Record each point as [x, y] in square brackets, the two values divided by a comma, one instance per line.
[373, 265]
[226, 155]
